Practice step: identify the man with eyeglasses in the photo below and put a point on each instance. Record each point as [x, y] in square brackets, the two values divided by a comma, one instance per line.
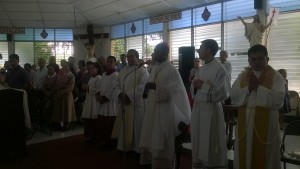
[259, 92]
[207, 122]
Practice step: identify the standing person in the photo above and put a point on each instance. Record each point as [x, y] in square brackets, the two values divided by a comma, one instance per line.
[107, 115]
[207, 126]
[123, 63]
[259, 92]
[164, 110]
[52, 62]
[193, 72]
[91, 107]
[16, 76]
[225, 62]
[64, 110]
[128, 90]
[254, 31]
[286, 107]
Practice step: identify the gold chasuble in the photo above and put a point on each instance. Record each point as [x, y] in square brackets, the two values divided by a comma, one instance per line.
[261, 124]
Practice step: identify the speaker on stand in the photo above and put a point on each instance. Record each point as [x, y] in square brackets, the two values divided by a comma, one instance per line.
[186, 63]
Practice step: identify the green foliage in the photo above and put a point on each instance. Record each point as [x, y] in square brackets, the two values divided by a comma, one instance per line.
[118, 48]
[43, 50]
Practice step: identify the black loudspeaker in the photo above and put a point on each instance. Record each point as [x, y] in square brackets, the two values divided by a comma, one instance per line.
[258, 4]
[186, 62]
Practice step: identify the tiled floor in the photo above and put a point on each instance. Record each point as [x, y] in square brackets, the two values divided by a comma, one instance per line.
[41, 137]
[292, 143]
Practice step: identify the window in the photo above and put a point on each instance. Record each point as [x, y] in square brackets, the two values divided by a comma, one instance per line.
[118, 48]
[150, 41]
[3, 37]
[27, 36]
[236, 45]
[134, 28]
[152, 28]
[37, 35]
[283, 47]
[178, 38]
[25, 52]
[117, 31]
[184, 22]
[243, 8]
[4, 52]
[215, 11]
[135, 43]
[284, 5]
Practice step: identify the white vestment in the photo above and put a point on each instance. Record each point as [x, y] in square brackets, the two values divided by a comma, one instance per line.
[263, 97]
[207, 126]
[92, 107]
[253, 34]
[166, 106]
[131, 80]
[106, 89]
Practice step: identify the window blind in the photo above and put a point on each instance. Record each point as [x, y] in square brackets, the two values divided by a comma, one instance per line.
[283, 46]
[236, 45]
[234, 8]
[25, 52]
[135, 43]
[178, 38]
[3, 37]
[284, 5]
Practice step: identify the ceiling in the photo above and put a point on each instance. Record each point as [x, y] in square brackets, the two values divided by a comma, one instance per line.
[79, 13]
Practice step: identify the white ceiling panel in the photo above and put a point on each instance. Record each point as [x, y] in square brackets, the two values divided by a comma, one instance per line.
[28, 24]
[156, 9]
[60, 13]
[5, 23]
[59, 16]
[111, 20]
[12, 6]
[47, 7]
[139, 3]
[85, 5]
[25, 15]
[3, 15]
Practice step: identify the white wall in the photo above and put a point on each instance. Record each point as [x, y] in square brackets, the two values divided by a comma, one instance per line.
[103, 49]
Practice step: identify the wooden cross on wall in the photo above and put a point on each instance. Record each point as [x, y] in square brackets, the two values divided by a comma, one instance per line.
[91, 36]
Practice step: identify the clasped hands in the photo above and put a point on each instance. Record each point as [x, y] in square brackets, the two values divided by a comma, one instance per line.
[124, 99]
[253, 82]
[197, 83]
[101, 98]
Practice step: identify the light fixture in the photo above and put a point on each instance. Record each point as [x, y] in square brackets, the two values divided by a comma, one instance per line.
[44, 34]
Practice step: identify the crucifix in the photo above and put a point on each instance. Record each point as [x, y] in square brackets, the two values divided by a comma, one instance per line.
[90, 45]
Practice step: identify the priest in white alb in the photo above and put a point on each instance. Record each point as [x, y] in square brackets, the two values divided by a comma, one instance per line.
[166, 104]
[128, 90]
[259, 92]
[207, 126]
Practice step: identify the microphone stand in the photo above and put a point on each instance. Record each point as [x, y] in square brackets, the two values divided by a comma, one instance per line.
[123, 108]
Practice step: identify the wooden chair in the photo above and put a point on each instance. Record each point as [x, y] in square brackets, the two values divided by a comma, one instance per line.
[293, 129]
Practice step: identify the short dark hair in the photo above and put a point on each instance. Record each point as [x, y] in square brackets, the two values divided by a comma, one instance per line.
[27, 64]
[112, 57]
[81, 62]
[258, 48]
[212, 45]
[135, 53]
[14, 56]
[89, 63]
[163, 48]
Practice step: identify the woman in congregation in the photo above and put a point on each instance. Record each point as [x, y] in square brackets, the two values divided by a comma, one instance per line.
[91, 107]
[107, 116]
[64, 111]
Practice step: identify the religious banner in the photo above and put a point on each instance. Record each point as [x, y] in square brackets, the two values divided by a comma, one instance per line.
[273, 13]
[12, 30]
[166, 18]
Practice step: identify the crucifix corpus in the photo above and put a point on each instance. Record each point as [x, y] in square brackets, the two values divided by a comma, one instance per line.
[91, 45]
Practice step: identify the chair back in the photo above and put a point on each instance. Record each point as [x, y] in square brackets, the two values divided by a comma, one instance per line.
[292, 129]
[294, 102]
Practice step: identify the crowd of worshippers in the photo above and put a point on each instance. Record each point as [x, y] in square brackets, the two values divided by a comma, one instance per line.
[142, 107]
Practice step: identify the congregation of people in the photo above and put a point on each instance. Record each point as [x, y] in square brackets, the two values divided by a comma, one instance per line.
[138, 109]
